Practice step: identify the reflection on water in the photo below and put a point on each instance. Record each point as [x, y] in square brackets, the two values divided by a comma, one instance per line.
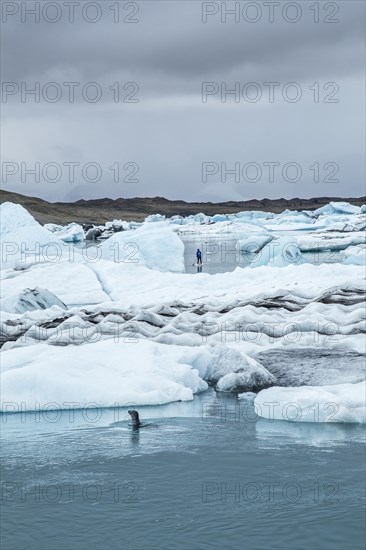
[326, 435]
[221, 254]
[205, 474]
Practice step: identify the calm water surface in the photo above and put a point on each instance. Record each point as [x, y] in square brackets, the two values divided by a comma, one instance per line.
[220, 254]
[205, 474]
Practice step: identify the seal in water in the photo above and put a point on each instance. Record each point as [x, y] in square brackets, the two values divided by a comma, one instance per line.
[135, 419]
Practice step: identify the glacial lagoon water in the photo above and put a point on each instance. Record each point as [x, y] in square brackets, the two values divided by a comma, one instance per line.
[207, 474]
[220, 253]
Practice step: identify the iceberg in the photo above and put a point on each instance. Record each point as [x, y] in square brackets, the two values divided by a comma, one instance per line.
[104, 374]
[154, 218]
[319, 242]
[31, 299]
[218, 218]
[280, 252]
[73, 282]
[153, 245]
[336, 208]
[120, 225]
[291, 217]
[93, 234]
[254, 243]
[24, 238]
[252, 215]
[232, 370]
[345, 226]
[71, 233]
[334, 403]
[245, 381]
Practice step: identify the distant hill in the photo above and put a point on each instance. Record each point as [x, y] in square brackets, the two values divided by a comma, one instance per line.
[103, 210]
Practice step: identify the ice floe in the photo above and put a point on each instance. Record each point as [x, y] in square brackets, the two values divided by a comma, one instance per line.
[104, 374]
[330, 403]
[318, 242]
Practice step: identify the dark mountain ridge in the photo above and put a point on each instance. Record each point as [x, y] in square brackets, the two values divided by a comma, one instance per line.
[136, 209]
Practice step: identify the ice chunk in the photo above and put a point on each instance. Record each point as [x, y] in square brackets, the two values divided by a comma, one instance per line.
[246, 380]
[71, 233]
[24, 238]
[219, 218]
[338, 208]
[31, 299]
[280, 252]
[200, 218]
[232, 370]
[318, 242]
[154, 245]
[291, 217]
[104, 374]
[14, 217]
[93, 233]
[254, 243]
[355, 255]
[154, 218]
[338, 403]
[73, 283]
[120, 225]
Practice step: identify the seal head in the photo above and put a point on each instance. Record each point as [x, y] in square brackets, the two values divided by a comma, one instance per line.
[135, 419]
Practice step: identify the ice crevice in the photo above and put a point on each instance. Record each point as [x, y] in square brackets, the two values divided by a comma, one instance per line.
[99, 277]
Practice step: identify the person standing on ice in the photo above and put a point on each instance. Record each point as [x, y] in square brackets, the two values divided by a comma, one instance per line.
[199, 256]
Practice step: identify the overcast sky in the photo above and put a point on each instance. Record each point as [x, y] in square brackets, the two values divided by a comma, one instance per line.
[165, 139]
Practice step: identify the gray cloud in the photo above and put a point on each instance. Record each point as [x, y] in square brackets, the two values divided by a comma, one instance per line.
[169, 133]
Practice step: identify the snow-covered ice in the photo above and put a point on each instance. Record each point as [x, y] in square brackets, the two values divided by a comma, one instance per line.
[338, 403]
[355, 255]
[122, 321]
[231, 370]
[103, 374]
[30, 299]
[24, 238]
